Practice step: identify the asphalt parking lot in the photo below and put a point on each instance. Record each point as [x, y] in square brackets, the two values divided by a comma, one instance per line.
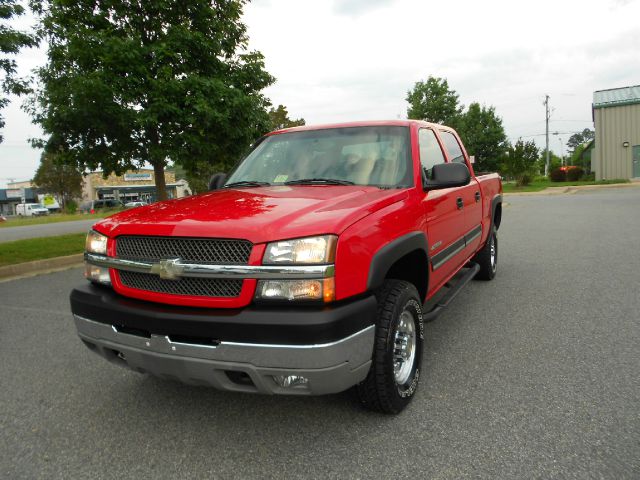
[533, 375]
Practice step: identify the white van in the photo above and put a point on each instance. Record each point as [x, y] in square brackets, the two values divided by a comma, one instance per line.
[31, 209]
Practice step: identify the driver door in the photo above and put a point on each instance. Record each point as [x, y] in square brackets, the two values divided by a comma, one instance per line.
[444, 219]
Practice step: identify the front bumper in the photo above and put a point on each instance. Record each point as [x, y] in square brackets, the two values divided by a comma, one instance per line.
[330, 347]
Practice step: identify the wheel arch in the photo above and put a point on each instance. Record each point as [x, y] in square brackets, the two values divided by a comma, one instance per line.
[496, 212]
[405, 258]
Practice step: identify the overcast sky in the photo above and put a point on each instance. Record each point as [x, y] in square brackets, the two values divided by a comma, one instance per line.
[348, 60]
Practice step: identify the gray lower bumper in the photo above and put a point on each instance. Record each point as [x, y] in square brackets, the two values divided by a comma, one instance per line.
[246, 367]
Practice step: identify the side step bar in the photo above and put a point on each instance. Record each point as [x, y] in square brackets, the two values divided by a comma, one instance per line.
[451, 294]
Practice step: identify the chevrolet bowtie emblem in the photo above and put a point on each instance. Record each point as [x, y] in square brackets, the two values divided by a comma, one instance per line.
[168, 269]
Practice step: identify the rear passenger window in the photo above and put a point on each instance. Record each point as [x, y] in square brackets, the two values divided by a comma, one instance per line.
[430, 151]
[452, 146]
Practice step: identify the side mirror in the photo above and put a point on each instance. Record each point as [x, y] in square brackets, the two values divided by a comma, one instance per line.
[217, 181]
[448, 175]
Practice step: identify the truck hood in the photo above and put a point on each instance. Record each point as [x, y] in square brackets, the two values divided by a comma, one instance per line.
[258, 214]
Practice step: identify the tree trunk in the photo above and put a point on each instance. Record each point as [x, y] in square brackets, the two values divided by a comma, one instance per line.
[157, 160]
[161, 184]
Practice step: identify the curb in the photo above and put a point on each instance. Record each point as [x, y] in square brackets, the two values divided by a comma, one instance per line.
[38, 267]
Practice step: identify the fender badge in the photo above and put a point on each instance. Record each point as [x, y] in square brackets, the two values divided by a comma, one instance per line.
[436, 245]
[168, 269]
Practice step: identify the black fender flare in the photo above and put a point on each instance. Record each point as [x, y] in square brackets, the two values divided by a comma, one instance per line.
[497, 200]
[384, 258]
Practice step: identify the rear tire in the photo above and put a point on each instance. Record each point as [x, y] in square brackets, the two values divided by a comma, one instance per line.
[397, 353]
[487, 258]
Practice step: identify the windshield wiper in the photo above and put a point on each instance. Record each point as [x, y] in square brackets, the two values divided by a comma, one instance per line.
[247, 183]
[318, 181]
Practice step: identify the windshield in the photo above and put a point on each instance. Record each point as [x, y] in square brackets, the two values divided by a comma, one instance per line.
[377, 156]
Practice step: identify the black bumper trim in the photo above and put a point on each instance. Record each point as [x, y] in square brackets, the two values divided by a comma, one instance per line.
[252, 324]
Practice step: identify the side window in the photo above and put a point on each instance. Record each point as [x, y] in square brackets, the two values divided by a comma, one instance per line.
[430, 151]
[452, 146]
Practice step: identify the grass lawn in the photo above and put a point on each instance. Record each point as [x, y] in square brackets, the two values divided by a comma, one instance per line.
[53, 218]
[30, 249]
[540, 184]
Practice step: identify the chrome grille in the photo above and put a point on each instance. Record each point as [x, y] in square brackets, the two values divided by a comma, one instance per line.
[199, 287]
[189, 250]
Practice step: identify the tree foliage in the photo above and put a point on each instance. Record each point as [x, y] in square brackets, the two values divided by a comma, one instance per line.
[129, 82]
[580, 138]
[520, 162]
[11, 41]
[479, 127]
[199, 174]
[279, 118]
[484, 137]
[434, 102]
[581, 157]
[59, 178]
[554, 161]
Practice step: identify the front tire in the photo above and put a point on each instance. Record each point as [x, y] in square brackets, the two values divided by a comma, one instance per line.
[397, 354]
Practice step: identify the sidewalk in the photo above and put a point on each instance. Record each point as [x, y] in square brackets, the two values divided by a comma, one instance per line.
[572, 189]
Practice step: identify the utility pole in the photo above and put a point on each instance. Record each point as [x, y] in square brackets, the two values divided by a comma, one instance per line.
[546, 164]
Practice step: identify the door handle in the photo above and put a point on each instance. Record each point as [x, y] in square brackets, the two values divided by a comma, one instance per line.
[477, 197]
[460, 203]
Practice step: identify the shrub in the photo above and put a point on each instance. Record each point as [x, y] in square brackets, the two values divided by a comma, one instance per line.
[591, 177]
[558, 175]
[523, 180]
[71, 207]
[574, 173]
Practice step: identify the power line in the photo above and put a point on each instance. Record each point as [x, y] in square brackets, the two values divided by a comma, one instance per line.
[565, 120]
[543, 134]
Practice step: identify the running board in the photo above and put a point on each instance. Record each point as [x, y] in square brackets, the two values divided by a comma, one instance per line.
[451, 294]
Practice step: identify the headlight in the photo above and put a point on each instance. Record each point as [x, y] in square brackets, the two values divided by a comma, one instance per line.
[310, 250]
[314, 290]
[96, 243]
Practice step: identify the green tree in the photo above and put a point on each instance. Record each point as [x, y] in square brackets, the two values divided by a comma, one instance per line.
[520, 162]
[11, 41]
[483, 136]
[554, 161]
[580, 138]
[279, 119]
[59, 178]
[433, 101]
[199, 174]
[581, 157]
[129, 82]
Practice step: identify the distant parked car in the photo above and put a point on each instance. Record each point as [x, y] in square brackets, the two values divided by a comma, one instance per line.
[93, 205]
[135, 204]
[31, 210]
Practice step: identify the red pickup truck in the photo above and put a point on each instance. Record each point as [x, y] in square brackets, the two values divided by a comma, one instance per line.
[309, 270]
